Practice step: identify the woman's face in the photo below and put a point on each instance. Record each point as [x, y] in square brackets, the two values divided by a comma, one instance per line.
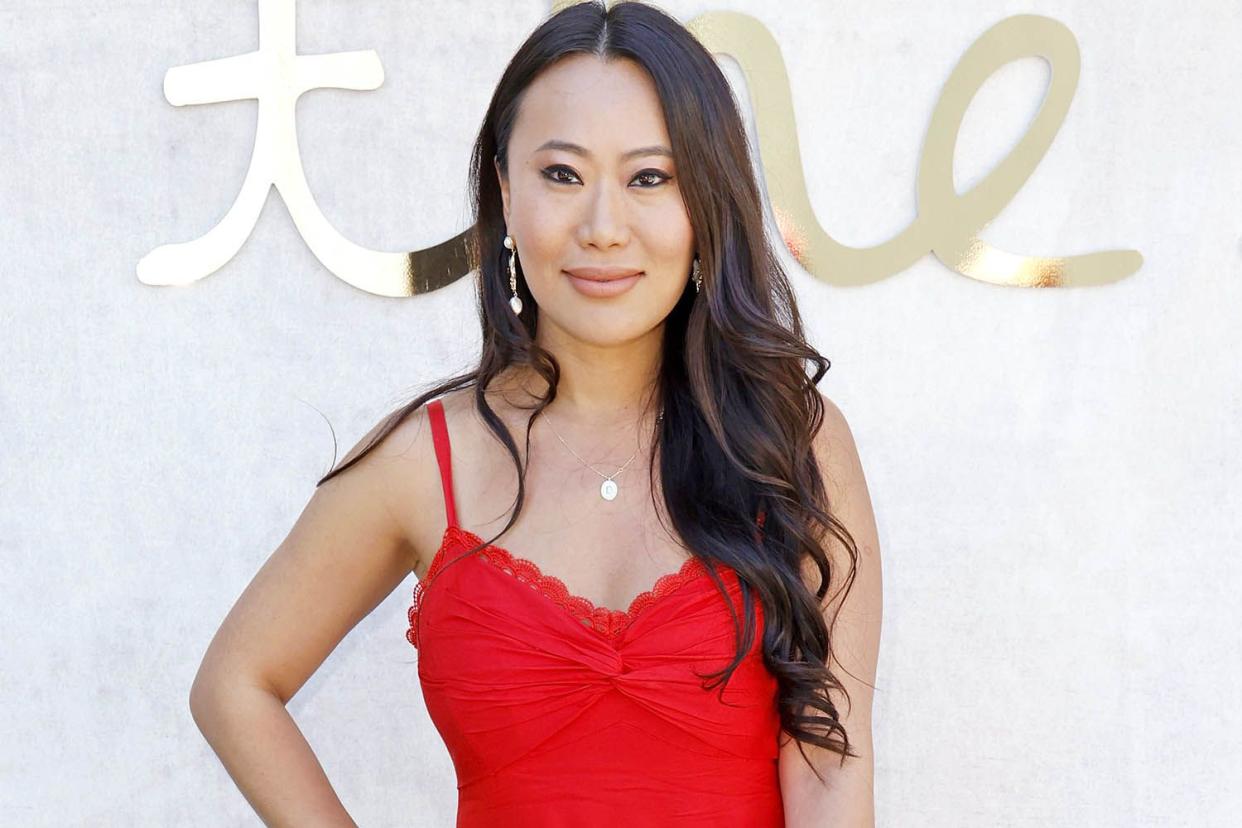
[596, 207]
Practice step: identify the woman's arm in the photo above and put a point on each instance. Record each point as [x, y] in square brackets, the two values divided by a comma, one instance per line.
[347, 551]
[847, 800]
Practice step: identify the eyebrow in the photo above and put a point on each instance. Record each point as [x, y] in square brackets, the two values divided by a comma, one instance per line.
[577, 149]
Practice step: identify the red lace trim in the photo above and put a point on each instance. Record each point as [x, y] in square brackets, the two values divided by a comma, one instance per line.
[437, 562]
[608, 622]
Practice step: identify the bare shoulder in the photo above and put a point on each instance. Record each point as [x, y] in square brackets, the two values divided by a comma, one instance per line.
[837, 452]
[400, 470]
[422, 490]
[849, 499]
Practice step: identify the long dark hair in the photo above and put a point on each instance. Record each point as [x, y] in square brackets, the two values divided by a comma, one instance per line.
[740, 411]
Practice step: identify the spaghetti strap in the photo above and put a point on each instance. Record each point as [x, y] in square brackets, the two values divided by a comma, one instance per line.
[440, 436]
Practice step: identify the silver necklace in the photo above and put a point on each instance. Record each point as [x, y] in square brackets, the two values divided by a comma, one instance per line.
[608, 490]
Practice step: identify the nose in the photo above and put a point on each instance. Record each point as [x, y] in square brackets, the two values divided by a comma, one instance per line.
[605, 222]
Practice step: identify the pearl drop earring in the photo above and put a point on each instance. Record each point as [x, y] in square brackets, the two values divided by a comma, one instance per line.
[697, 276]
[515, 301]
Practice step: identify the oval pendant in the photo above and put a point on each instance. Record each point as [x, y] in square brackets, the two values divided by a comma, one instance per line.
[608, 490]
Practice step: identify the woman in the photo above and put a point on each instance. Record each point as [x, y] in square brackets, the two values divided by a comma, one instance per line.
[689, 510]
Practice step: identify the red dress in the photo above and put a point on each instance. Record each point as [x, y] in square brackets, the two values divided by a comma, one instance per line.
[557, 712]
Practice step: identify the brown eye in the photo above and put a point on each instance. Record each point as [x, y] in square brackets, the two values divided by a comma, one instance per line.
[660, 178]
[550, 174]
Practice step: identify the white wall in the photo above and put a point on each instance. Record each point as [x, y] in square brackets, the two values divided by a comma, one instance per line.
[1056, 473]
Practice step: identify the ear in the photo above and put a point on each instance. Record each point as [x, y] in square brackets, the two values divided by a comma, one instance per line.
[504, 188]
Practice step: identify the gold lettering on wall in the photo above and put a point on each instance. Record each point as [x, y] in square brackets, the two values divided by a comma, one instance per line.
[276, 75]
[948, 223]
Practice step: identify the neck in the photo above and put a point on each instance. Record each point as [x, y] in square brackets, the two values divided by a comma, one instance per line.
[601, 387]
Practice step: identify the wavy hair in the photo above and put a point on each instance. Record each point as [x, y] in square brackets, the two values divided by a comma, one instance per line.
[740, 410]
